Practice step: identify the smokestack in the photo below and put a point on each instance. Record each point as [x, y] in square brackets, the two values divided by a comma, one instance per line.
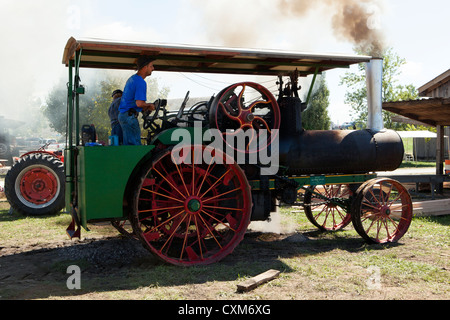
[374, 80]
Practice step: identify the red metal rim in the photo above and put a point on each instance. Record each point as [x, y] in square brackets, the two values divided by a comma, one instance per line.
[230, 106]
[193, 213]
[326, 215]
[385, 211]
[38, 185]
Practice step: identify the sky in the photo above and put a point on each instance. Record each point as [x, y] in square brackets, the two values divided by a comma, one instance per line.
[34, 34]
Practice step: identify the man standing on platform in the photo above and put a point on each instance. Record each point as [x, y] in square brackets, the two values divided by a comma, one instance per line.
[134, 101]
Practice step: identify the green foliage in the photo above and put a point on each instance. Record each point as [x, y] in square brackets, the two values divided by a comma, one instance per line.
[356, 96]
[410, 127]
[417, 164]
[316, 117]
[55, 107]
[94, 104]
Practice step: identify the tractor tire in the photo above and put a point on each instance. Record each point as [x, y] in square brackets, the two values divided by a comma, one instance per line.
[35, 185]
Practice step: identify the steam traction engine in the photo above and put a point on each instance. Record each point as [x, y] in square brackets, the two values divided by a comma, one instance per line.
[189, 201]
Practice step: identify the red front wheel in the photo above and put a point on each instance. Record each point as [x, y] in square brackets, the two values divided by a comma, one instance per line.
[382, 211]
[190, 211]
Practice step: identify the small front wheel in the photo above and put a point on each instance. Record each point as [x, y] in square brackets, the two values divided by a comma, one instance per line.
[382, 211]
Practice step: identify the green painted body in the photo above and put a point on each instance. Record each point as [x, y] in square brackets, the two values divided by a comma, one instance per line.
[102, 177]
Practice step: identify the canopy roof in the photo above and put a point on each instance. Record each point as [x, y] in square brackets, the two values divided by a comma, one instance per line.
[417, 134]
[428, 88]
[434, 112]
[96, 53]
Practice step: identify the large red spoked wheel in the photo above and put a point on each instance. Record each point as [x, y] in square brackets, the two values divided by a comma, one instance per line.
[321, 208]
[382, 211]
[188, 211]
[35, 185]
[246, 108]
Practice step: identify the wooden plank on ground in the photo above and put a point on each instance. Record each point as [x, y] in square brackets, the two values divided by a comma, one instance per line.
[254, 282]
[431, 208]
[427, 208]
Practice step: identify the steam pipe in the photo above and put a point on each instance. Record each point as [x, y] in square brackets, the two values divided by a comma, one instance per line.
[374, 81]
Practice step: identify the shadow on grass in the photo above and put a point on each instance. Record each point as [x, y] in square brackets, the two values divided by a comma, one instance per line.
[116, 264]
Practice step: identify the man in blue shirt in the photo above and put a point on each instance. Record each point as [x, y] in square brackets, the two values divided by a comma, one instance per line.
[134, 101]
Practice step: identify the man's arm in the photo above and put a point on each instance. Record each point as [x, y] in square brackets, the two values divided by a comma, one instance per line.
[144, 105]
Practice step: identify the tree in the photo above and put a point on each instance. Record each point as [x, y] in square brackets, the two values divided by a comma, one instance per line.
[391, 90]
[55, 108]
[316, 117]
[94, 104]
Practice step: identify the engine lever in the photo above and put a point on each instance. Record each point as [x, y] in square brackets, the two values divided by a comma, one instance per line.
[183, 105]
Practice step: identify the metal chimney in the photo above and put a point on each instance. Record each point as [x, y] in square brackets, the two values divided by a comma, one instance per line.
[374, 80]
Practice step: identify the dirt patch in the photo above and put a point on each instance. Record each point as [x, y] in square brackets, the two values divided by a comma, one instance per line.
[313, 266]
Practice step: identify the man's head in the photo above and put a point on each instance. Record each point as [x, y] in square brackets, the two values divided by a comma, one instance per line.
[117, 93]
[145, 64]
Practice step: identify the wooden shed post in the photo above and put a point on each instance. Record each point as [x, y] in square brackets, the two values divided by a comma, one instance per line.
[440, 156]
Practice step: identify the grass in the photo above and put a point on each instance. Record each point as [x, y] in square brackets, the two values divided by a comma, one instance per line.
[42, 228]
[417, 164]
[337, 265]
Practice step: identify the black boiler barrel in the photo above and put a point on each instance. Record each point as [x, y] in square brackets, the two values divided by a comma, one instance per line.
[340, 151]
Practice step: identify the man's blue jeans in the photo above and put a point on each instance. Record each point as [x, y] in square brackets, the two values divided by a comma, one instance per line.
[130, 128]
[117, 131]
